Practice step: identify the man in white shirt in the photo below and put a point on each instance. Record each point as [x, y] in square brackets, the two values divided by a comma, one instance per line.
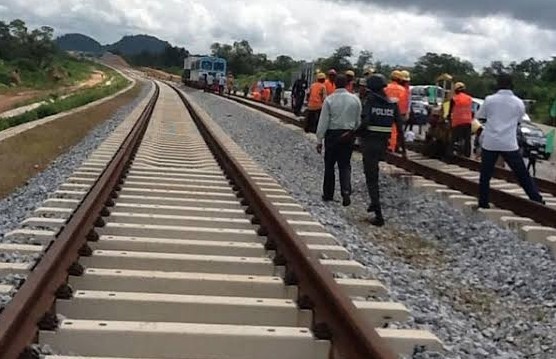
[503, 111]
[339, 118]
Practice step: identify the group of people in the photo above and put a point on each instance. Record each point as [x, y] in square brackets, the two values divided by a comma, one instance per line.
[266, 93]
[219, 83]
[377, 115]
[338, 116]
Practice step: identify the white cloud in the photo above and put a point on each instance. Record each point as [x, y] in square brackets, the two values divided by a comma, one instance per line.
[299, 28]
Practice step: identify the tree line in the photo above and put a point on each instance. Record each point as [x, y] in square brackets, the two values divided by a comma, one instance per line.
[26, 48]
[534, 79]
[171, 58]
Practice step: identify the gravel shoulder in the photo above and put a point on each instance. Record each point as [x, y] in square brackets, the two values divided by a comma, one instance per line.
[485, 292]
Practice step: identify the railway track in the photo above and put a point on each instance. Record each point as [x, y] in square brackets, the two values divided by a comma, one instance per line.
[459, 183]
[170, 242]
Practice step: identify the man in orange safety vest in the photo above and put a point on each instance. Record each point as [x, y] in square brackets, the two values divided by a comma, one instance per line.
[317, 94]
[330, 82]
[397, 93]
[461, 117]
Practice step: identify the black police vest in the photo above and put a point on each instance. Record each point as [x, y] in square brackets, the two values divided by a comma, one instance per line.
[382, 116]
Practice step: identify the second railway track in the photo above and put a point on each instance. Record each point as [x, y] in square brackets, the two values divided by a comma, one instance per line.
[170, 242]
[459, 183]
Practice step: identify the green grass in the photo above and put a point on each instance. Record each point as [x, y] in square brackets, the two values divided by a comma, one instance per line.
[78, 99]
[73, 71]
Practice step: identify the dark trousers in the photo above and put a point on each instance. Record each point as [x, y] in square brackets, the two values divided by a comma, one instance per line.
[515, 161]
[462, 133]
[374, 150]
[298, 104]
[337, 151]
[312, 120]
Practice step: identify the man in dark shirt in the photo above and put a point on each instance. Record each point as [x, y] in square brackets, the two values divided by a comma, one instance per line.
[298, 94]
[379, 114]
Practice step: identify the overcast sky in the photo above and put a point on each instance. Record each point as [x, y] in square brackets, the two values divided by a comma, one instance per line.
[396, 31]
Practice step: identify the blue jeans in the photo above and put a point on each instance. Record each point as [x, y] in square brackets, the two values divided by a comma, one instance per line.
[515, 161]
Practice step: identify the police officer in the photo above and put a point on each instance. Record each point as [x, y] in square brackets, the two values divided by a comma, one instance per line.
[379, 114]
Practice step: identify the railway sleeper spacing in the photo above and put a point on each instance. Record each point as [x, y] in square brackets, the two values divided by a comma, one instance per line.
[187, 260]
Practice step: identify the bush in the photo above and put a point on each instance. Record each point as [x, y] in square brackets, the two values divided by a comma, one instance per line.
[47, 110]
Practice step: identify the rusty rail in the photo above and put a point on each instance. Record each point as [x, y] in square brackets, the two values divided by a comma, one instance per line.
[19, 320]
[334, 311]
[523, 207]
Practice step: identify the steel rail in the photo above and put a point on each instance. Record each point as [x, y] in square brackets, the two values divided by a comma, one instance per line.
[500, 173]
[350, 334]
[521, 206]
[36, 297]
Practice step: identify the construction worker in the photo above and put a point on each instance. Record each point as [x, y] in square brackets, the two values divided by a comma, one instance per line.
[379, 116]
[367, 72]
[317, 94]
[362, 89]
[329, 83]
[350, 75]
[266, 95]
[398, 94]
[460, 116]
[299, 90]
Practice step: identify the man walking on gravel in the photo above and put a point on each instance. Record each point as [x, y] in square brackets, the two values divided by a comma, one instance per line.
[299, 90]
[339, 118]
[379, 114]
[503, 111]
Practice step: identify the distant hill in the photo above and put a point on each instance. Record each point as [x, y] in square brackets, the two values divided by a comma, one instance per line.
[78, 42]
[128, 45]
[133, 45]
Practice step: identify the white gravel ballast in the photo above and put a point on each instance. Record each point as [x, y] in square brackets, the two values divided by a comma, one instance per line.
[482, 289]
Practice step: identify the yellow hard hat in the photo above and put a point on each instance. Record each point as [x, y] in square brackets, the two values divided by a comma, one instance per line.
[321, 76]
[350, 73]
[406, 76]
[396, 75]
[459, 86]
